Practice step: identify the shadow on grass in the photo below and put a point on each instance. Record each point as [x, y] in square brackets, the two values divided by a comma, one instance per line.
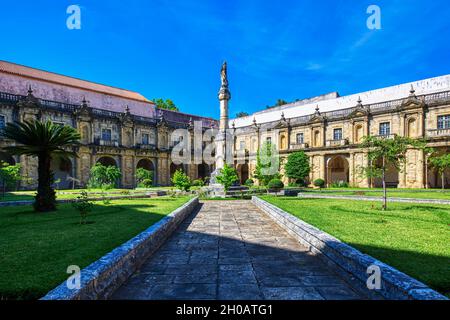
[39, 247]
[432, 270]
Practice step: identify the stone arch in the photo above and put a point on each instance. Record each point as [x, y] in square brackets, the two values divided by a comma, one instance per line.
[62, 172]
[243, 172]
[338, 170]
[107, 161]
[411, 128]
[147, 164]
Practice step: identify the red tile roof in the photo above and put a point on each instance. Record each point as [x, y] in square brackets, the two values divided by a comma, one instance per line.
[42, 75]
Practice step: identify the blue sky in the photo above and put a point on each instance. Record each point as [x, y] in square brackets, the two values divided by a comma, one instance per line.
[275, 49]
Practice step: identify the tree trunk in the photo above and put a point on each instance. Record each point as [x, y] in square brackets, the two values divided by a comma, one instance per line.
[384, 186]
[45, 199]
[443, 180]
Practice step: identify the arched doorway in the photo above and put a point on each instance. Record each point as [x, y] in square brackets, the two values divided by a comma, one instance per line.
[147, 164]
[243, 172]
[392, 179]
[107, 161]
[4, 157]
[203, 171]
[338, 170]
[174, 167]
[62, 172]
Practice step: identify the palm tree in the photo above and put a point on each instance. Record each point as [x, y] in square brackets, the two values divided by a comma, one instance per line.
[45, 141]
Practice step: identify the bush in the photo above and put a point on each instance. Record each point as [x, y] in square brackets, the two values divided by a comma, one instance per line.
[104, 177]
[249, 183]
[181, 181]
[319, 183]
[198, 183]
[339, 184]
[144, 178]
[276, 184]
[297, 166]
[146, 183]
[83, 206]
[227, 177]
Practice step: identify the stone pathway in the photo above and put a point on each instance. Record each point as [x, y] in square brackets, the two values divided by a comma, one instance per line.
[231, 250]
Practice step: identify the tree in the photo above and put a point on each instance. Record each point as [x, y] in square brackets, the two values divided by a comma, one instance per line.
[165, 104]
[227, 177]
[297, 166]
[181, 180]
[441, 164]
[104, 176]
[241, 114]
[383, 151]
[9, 175]
[267, 163]
[144, 177]
[45, 141]
[280, 102]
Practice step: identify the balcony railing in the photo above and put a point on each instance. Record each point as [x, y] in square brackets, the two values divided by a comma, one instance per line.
[337, 143]
[299, 146]
[106, 143]
[434, 133]
[386, 136]
[147, 146]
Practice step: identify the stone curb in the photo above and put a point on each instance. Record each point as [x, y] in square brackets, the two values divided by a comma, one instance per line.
[373, 198]
[101, 278]
[140, 196]
[349, 262]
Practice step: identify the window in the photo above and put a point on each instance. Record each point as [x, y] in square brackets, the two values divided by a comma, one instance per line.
[2, 122]
[106, 134]
[242, 145]
[337, 134]
[145, 139]
[385, 129]
[300, 138]
[443, 122]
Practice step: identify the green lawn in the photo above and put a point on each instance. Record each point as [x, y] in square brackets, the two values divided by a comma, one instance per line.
[394, 193]
[72, 194]
[414, 238]
[37, 248]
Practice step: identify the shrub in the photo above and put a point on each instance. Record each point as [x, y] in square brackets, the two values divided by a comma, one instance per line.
[181, 181]
[198, 183]
[104, 177]
[339, 184]
[9, 175]
[249, 183]
[83, 205]
[227, 177]
[297, 166]
[144, 178]
[276, 184]
[146, 183]
[319, 183]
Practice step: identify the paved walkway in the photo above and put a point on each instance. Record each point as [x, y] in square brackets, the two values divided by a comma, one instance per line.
[232, 250]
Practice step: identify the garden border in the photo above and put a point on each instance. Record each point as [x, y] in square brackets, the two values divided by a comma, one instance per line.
[100, 279]
[349, 262]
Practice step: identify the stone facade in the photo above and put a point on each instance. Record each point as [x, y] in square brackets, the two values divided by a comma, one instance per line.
[331, 139]
[137, 134]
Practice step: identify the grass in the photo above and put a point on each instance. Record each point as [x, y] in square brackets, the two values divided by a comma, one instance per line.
[73, 193]
[414, 238]
[37, 248]
[394, 193]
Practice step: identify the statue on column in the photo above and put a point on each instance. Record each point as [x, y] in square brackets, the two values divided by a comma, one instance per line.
[223, 75]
